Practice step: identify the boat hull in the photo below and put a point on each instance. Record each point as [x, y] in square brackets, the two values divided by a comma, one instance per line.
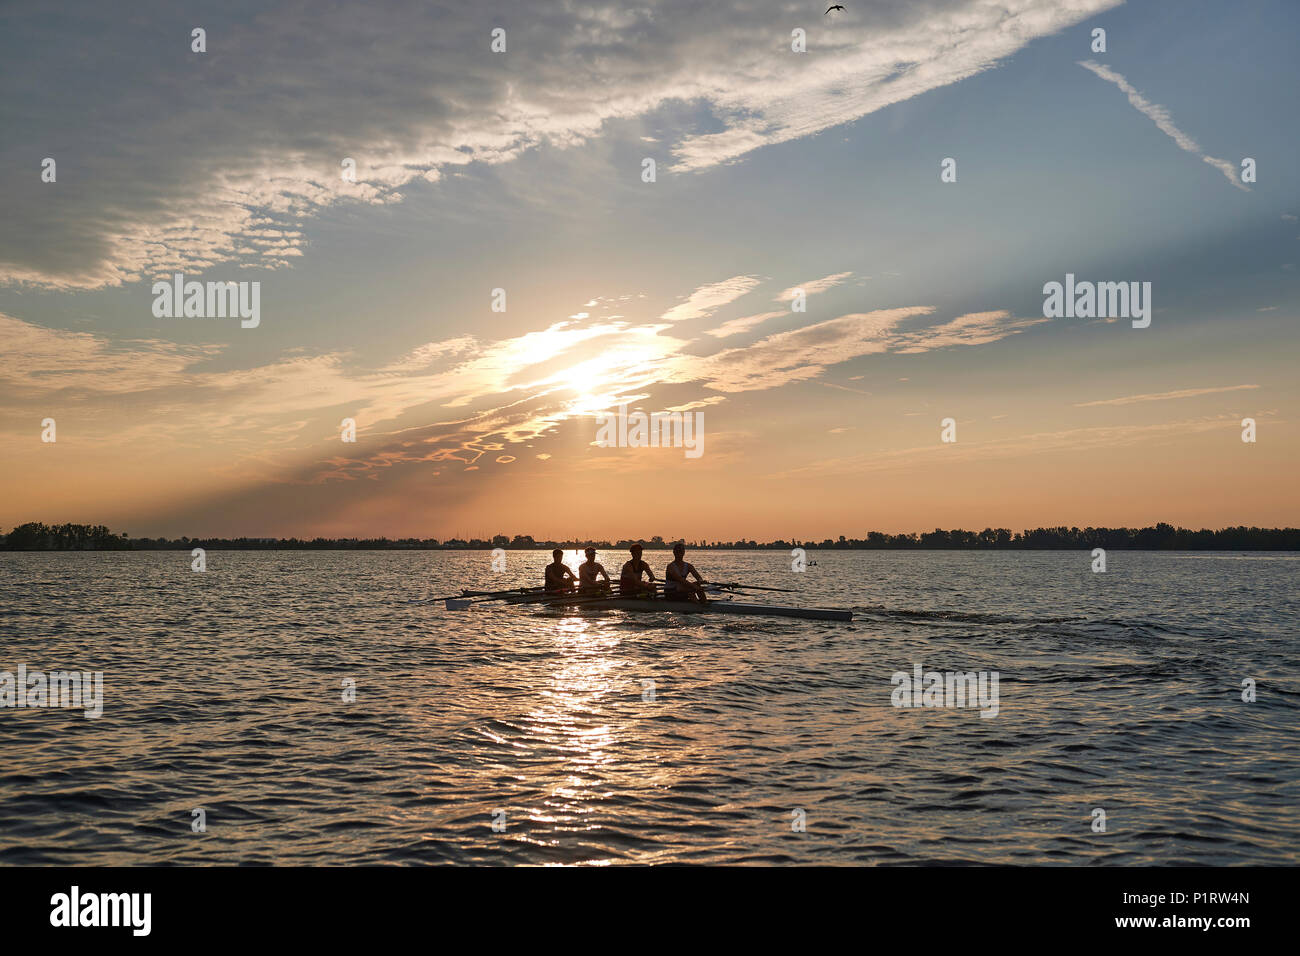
[724, 606]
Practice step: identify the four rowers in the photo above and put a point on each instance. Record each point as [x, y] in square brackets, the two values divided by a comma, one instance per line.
[677, 587]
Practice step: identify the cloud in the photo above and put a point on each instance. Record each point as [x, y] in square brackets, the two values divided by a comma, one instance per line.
[708, 299]
[1163, 396]
[427, 355]
[884, 55]
[976, 328]
[736, 326]
[799, 354]
[805, 353]
[692, 406]
[452, 400]
[846, 388]
[1164, 122]
[189, 161]
[512, 390]
[814, 286]
[45, 361]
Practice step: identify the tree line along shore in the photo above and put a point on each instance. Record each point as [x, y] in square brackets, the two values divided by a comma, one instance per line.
[35, 536]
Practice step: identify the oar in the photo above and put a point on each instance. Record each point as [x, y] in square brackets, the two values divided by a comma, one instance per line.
[707, 585]
[494, 594]
[574, 598]
[753, 587]
[463, 602]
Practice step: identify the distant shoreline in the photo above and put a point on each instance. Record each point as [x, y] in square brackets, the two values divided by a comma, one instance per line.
[35, 536]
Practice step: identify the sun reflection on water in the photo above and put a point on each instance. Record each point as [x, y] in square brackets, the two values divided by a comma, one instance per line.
[573, 724]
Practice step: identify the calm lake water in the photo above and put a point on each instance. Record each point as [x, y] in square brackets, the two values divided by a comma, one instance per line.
[224, 691]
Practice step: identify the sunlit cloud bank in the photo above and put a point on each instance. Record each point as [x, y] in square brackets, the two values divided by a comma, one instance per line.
[453, 400]
[189, 161]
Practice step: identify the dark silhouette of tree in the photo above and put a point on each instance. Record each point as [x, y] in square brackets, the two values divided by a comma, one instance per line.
[35, 536]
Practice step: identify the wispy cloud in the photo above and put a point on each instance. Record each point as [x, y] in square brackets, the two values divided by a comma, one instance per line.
[708, 299]
[426, 355]
[38, 360]
[1163, 396]
[814, 286]
[846, 388]
[810, 288]
[1164, 122]
[799, 354]
[736, 326]
[975, 328]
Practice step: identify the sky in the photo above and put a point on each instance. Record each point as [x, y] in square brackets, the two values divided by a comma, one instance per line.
[797, 275]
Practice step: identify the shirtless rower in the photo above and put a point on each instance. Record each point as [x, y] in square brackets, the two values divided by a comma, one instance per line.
[629, 582]
[587, 572]
[559, 579]
[676, 584]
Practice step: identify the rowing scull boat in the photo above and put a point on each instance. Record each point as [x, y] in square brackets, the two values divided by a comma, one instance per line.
[613, 602]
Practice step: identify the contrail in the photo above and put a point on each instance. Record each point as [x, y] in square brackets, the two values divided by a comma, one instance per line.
[1160, 116]
[1161, 396]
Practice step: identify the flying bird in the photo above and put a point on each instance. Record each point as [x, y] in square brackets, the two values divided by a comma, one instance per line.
[836, 6]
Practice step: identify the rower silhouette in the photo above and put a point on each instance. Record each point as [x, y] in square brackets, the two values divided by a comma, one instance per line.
[629, 581]
[587, 572]
[559, 579]
[677, 585]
